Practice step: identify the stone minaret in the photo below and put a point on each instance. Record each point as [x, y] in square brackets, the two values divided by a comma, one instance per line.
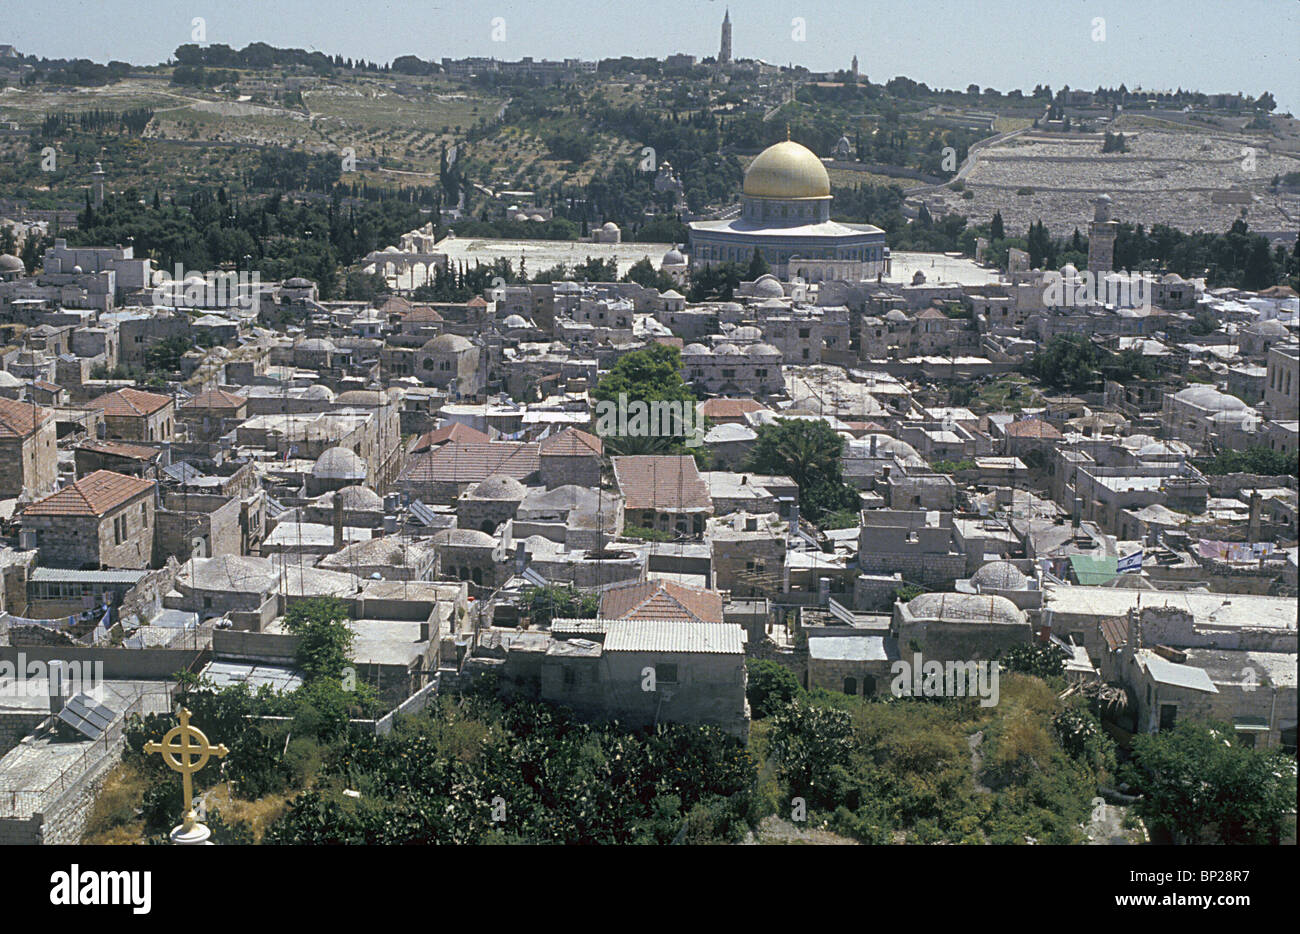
[97, 186]
[724, 53]
[1101, 238]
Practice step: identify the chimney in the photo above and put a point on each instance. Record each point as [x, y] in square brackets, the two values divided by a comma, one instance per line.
[1252, 525]
[338, 520]
[1076, 514]
[823, 591]
[58, 687]
[874, 438]
[521, 557]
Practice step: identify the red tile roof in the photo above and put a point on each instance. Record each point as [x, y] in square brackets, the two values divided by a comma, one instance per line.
[423, 313]
[453, 432]
[572, 443]
[129, 402]
[661, 600]
[734, 409]
[120, 449]
[20, 419]
[663, 482]
[215, 399]
[1033, 428]
[93, 495]
[471, 461]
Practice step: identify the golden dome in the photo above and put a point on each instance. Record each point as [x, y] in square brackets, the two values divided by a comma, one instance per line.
[787, 170]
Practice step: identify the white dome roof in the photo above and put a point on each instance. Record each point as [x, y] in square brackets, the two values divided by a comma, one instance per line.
[1000, 575]
[768, 286]
[497, 487]
[673, 257]
[338, 463]
[962, 607]
[448, 343]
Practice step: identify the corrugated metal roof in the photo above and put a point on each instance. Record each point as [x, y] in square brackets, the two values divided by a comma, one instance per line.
[1183, 676]
[61, 575]
[650, 635]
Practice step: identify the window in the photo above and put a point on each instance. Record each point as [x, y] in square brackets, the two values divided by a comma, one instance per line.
[665, 674]
[1168, 713]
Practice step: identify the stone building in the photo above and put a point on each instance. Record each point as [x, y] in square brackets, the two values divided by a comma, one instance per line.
[917, 542]
[959, 627]
[570, 457]
[104, 520]
[745, 551]
[132, 415]
[728, 369]
[699, 674]
[663, 492]
[212, 413]
[451, 362]
[488, 504]
[1282, 382]
[28, 453]
[469, 555]
[199, 525]
[336, 468]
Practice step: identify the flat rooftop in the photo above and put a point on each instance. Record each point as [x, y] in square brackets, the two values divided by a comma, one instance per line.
[544, 254]
[1222, 609]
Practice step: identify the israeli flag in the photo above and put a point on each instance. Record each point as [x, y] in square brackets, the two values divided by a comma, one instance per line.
[1131, 562]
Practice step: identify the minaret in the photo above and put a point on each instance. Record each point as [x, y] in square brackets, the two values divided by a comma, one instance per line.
[97, 186]
[724, 53]
[855, 68]
[1101, 238]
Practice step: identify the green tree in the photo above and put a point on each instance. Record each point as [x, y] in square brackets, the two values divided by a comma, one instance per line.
[813, 747]
[652, 374]
[1069, 361]
[1256, 459]
[771, 687]
[1042, 660]
[546, 603]
[996, 230]
[644, 274]
[1201, 786]
[324, 637]
[808, 452]
[757, 266]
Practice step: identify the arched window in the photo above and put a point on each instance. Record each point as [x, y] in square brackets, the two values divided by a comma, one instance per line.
[850, 686]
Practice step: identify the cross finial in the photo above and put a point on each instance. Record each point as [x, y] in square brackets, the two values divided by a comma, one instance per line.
[182, 757]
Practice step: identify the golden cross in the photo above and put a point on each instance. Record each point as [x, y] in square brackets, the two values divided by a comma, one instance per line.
[181, 756]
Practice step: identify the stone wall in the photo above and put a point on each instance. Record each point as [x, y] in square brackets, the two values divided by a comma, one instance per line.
[935, 571]
[14, 725]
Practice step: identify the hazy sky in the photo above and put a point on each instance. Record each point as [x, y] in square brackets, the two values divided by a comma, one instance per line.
[1210, 45]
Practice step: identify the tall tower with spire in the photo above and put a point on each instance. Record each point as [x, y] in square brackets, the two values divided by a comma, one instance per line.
[855, 68]
[724, 53]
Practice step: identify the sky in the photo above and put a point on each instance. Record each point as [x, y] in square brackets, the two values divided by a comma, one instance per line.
[1209, 45]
